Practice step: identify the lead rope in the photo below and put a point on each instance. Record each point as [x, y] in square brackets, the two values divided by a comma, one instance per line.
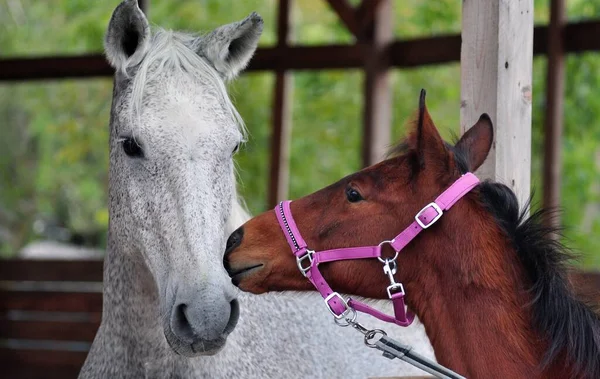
[393, 349]
[390, 347]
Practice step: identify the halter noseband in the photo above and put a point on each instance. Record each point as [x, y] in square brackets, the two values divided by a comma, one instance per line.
[308, 260]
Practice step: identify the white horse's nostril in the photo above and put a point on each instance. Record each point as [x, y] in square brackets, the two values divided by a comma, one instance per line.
[233, 316]
[203, 316]
[181, 325]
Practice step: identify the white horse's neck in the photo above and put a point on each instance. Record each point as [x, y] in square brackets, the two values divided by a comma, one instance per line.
[130, 341]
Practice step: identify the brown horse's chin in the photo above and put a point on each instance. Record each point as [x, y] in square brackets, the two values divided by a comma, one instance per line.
[245, 277]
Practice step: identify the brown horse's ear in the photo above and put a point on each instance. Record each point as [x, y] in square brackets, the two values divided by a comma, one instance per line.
[427, 141]
[477, 142]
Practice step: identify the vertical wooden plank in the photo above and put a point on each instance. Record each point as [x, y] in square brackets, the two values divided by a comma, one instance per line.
[365, 12]
[377, 93]
[553, 127]
[281, 118]
[496, 64]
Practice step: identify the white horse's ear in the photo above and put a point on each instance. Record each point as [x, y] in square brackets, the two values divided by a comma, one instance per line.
[127, 37]
[230, 47]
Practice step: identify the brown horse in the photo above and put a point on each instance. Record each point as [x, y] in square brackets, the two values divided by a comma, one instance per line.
[488, 283]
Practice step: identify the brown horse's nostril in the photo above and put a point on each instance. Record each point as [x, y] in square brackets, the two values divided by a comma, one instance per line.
[233, 241]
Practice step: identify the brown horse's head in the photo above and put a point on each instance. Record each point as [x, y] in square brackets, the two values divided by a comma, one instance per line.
[483, 275]
[363, 209]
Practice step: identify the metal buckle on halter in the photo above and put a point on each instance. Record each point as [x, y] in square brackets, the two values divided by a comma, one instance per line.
[393, 287]
[308, 255]
[425, 208]
[344, 302]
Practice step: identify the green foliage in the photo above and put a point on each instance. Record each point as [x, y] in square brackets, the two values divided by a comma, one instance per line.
[54, 161]
[53, 146]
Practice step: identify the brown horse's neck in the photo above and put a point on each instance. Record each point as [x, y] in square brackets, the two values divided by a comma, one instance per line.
[474, 306]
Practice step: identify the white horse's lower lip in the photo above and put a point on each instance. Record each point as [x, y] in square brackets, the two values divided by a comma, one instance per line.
[208, 347]
[197, 348]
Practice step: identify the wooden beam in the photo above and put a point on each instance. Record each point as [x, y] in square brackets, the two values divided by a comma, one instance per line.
[51, 301]
[496, 66]
[578, 38]
[346, 13]
[48, 330]
[309, 57]
[555, 84]
[26, 363]
[425, 51]
[50, 270]
[281, 119]
[91, 65]
[377, 112]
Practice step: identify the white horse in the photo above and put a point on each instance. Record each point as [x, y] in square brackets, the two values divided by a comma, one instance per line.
[169, 305]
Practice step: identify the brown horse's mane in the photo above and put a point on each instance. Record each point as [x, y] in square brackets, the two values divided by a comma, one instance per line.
[569, 324]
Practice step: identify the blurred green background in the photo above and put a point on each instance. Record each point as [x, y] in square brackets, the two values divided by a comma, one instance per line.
[53, 139]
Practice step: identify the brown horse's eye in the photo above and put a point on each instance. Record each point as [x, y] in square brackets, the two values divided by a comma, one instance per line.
[353, 195]
[132, 148]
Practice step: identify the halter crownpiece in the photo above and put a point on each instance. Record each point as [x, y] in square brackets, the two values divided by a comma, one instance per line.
[308, 260]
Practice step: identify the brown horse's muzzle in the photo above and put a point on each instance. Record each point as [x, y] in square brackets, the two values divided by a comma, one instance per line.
[236, 268]
[254, 250]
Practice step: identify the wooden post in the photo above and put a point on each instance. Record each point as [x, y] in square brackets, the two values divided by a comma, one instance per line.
[281, 119]
[377, 115]
[496, 64]
[365, 13]
[553, 127]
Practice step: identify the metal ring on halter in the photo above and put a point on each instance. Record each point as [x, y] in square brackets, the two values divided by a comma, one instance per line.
[371, 334]
[389, 243]
[348, 319]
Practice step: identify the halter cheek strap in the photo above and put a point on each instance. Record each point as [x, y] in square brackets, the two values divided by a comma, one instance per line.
[308, 260]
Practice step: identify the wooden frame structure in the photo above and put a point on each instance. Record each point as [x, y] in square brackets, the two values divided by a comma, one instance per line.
[376, 52]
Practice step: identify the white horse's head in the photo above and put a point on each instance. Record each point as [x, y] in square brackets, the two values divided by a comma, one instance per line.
[173, 197]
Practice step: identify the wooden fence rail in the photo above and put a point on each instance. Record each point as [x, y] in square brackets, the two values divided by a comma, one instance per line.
[48, 331]
[578, 38]
[48, 316]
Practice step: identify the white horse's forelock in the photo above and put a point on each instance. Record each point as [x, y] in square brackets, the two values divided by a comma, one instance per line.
[170, 51]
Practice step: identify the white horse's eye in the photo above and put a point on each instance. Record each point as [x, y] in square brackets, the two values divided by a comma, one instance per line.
[132, 148]
[235, 149]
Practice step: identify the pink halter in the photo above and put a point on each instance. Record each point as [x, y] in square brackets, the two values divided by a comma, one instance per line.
[308, 260]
